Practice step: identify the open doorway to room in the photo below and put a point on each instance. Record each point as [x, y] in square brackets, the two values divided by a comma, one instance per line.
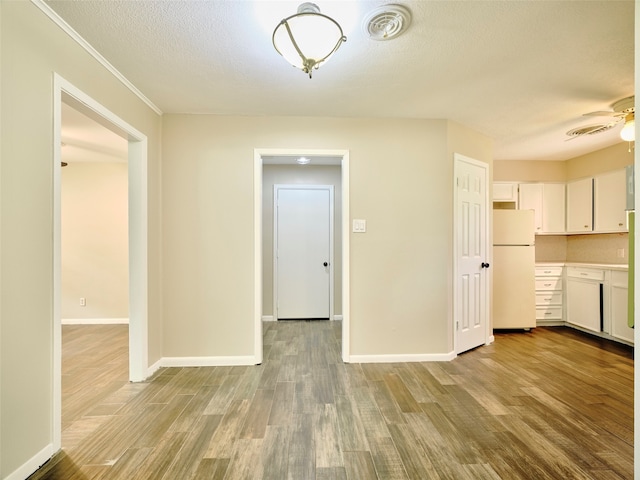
[121, 187]
[325, 178]
[94, 268]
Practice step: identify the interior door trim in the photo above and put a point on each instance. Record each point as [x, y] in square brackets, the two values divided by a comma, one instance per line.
[258, 153]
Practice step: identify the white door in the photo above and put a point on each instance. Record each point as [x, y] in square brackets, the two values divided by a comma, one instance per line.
[471, 251]
[303, 233]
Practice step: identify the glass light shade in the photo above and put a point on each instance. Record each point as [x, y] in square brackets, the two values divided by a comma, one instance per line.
[307, 39]
[628, 132]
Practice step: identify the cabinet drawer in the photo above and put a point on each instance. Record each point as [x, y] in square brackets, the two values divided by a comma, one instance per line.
[548, 271]
[585, 273]
[550, 298]
[551, 283]
[549, 313]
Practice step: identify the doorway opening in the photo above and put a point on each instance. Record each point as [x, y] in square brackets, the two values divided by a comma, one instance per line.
[277, 167]
[67, 94]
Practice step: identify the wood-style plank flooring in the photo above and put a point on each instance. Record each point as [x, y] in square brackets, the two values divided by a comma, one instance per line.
[550, 404]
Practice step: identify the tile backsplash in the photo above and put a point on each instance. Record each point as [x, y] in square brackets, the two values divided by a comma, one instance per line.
[551, 248]
[609, 248]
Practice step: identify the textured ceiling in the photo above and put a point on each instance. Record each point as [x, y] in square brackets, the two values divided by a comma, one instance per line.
[520, 72]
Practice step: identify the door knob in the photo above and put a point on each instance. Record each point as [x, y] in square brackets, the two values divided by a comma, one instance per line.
[484, 265]
[325, 264]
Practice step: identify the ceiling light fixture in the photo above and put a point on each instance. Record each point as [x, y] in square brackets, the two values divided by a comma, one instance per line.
[628, 132]
[308, 38]
[303, 161]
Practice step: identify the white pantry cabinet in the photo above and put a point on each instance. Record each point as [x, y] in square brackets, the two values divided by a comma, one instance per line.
[610, 201]
[580, 206]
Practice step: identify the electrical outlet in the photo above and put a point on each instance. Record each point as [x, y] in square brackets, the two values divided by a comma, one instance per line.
[83, 302]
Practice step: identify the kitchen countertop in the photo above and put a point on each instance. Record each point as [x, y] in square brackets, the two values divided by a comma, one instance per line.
[606, 266]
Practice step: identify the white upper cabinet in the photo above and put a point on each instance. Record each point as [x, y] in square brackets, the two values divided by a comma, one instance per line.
[548, 202]
[505, 192]
[553, 208]
[580, 205]
[531, 199]
[609, 202]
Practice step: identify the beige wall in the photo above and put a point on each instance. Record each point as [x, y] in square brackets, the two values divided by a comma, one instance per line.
[611, 158]
[600, 161]
[529, 171]
[401, 183]
[95, 240]
[32, 49]
[297, 175]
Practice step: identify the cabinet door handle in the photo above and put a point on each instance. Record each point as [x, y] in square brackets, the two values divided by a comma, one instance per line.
[547, 284]
[620, 224]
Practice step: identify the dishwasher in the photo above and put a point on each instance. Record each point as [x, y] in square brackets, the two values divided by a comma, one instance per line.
[585, 306]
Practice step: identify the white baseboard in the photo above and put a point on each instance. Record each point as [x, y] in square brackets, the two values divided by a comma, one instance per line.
[403, 358]
[491, 340]
[207, 361]
[337, 317]
[154, 368]
[94, 321]
[33, 464]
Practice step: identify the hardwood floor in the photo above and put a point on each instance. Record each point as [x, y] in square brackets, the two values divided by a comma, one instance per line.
[550, 404]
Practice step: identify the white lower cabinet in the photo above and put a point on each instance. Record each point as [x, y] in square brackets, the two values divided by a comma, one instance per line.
[583, 303]
[618, 305]
[549, 293]
[596, 300]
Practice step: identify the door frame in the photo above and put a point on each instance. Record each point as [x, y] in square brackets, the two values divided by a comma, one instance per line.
[488, 337]
[276, 188]
[258, 153]
[64, 91]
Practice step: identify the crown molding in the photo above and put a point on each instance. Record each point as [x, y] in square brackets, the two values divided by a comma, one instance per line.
[49, 12]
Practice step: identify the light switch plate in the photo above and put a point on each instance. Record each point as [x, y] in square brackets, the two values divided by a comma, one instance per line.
[359, 226]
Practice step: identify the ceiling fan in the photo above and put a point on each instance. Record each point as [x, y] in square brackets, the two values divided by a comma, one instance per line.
[622, 111]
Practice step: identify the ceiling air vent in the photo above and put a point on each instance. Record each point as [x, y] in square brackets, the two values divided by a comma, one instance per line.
[590, 129]
[387, 22]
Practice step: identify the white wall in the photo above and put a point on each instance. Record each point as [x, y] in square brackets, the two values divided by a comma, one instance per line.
[95, 240]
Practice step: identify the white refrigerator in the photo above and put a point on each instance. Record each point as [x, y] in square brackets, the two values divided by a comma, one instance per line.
[514, 301]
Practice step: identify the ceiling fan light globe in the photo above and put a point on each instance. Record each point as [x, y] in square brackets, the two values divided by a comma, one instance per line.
[628, 132]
